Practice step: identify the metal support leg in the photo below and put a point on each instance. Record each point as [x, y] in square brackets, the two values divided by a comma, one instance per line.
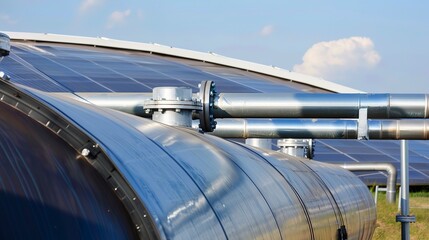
[404, 217]
[376, 195]
[260, 142]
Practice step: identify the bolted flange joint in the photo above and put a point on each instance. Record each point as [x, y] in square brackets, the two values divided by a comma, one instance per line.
[297, 147]
[172, 106]
[207, 96]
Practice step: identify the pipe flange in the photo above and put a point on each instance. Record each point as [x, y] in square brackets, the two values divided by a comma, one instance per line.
[306, 144]
[172, 99]
[172, 104]
[207, 95]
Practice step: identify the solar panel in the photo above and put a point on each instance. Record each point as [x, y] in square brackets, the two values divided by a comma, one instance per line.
[97, 66]
[71, 68]
[388, 151]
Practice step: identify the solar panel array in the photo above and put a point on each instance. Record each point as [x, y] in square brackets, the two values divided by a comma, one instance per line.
[387, 151]
[65, 69]
[72, 68]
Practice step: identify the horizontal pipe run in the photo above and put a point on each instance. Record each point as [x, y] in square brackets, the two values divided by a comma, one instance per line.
[284, 105]
[417, 129]
[131, 103]
[389, 168]
[320, 105]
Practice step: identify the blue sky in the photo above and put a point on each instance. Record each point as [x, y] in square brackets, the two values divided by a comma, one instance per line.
[375, 46]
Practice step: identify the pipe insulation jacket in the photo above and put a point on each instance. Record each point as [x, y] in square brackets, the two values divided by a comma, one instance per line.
[320, 128]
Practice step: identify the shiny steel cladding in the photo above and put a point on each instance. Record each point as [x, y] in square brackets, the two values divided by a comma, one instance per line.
[197, 186]
[320, 105]
[46, 193]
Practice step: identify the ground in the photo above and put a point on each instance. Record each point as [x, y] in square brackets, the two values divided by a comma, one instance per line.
[388, 228]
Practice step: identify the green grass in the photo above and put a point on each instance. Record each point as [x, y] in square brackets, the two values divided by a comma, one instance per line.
[388, 228]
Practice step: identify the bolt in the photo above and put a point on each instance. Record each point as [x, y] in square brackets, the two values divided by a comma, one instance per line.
[85, 152]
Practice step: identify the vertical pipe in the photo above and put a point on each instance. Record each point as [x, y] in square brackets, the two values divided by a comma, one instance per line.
[405, 226]
[389, 168]
[260, 142]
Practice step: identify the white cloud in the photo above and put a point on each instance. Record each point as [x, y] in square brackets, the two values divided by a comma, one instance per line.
[117, 17]
[339, 57]
[266, 30]
[88, 4]
[7, 19]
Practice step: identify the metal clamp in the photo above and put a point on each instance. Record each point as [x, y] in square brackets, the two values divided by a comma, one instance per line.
[363, 124]
[406, 218]
[342, 233]
[90, 150]
[207, 96]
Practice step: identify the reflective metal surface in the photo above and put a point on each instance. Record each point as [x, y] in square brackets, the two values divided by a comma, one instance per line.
[46, 193]
[259, 142]
[199, 186]
[405, 191]
[319, 105]
[172, 106]
[329, 203]
[132, 103]
[389, 168]
[320, 128]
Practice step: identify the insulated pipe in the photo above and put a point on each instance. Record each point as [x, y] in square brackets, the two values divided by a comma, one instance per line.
[388, 167]
[320, 105]
[284, 105]
[131, 103]
[259, 142]
[417, 129]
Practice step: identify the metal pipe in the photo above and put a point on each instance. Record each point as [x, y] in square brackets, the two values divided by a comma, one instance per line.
[320, 128]
[131, 103]
[388, 167]
[281, 105]
[320, 105]
[260, 143]
[172, 106]
[405, 226]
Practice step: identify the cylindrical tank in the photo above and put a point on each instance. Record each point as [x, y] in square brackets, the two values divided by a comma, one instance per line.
[46, 193]
[189, 185]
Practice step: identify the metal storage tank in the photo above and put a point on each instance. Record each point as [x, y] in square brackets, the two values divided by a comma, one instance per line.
[73, 170]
